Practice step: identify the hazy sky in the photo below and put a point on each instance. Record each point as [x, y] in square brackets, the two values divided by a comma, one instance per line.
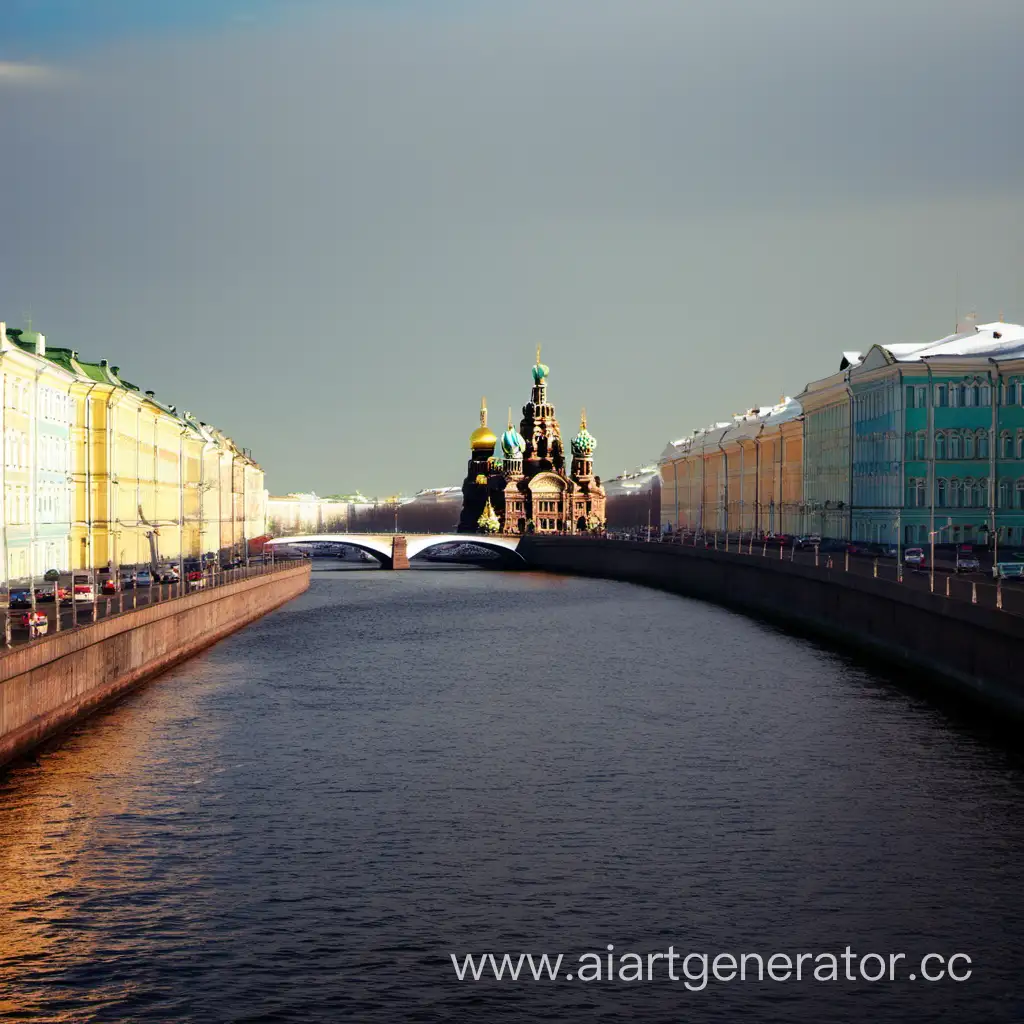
[329, 227]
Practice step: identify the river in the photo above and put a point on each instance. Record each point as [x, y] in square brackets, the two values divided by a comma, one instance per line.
[306, 821]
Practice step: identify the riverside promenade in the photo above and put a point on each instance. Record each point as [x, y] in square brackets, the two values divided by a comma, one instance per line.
[49, 683]
[964, 643]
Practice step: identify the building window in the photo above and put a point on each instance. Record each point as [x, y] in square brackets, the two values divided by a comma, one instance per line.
[983, 444]
[980, 494]
[954, 396]
[967, 495]
[920, 493]
[955, 448]
[1005, 493]
[985, 395]
[921, 445]
[1005, 445]
[940, 446]
[940, 497]
[1020, 446]
[1018, 501]
[1011, 394]
[911, 392]
[940, 395]
[954, 493]
[922, 396]
[968, 446]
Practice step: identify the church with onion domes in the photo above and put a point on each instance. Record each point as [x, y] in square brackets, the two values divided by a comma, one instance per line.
[519, 484]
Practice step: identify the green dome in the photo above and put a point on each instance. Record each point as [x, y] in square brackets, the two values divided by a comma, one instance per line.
[584, 443]
[512, 443]
[540, 371]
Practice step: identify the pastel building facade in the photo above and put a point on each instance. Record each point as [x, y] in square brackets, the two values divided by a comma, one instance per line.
[98, 473]
[744, 475]
[827, 471]
[938, 439]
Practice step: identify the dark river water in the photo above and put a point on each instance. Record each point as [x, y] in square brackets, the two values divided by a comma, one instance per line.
[307, 821]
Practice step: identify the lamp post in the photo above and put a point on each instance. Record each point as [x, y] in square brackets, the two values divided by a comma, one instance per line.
[931, 566]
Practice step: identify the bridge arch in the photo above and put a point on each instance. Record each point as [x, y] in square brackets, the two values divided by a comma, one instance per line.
[381, 545]
[506, 546]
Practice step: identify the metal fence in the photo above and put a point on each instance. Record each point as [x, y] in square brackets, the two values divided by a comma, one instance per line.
[65, 615]
[974, 588]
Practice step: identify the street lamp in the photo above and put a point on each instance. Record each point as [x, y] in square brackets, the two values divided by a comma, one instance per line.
[931, 567]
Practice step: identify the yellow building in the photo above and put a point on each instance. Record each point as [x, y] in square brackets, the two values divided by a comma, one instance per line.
[744, 475]
[98, 473]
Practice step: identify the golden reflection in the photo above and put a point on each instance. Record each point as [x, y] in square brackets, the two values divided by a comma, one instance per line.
[62, 822]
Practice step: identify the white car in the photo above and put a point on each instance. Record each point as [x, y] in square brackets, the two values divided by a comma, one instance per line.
[916, 557]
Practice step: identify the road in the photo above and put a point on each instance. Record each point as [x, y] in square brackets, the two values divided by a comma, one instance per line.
[127, 600]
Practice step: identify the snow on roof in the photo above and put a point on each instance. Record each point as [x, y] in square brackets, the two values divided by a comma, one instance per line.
[748, 424]
[995, 341]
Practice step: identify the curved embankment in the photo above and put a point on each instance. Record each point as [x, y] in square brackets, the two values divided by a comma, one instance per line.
[50, 683]
[972, 650]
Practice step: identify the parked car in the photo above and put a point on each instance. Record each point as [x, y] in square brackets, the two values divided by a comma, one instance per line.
[20, 599]
[143, 578]
[51, 591]
[84, 589]
[127, 579]
[1008, 570]
[169, 574]
[196, 580]
[967, 562]
[110, 585]
[915, 557]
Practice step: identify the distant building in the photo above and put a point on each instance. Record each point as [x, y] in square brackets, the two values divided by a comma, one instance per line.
[302, 513]
[432, 510]
[633, 499]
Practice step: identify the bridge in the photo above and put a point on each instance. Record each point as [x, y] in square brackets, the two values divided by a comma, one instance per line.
[394, 550]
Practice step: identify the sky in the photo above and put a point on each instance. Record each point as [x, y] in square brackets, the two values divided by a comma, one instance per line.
[330, 227]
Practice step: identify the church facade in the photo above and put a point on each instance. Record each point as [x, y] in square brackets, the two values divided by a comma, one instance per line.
[518, 484]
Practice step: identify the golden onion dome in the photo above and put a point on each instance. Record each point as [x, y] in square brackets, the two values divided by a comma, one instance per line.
[482, 437]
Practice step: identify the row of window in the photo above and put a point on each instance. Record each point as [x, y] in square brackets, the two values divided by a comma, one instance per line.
[968, 493]
[965, 444]
[54, 452]
[53, 502]
[54, 406]
[967, 395]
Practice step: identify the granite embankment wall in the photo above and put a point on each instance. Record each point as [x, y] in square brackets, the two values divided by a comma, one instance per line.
[973, 650]
[48, 684]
